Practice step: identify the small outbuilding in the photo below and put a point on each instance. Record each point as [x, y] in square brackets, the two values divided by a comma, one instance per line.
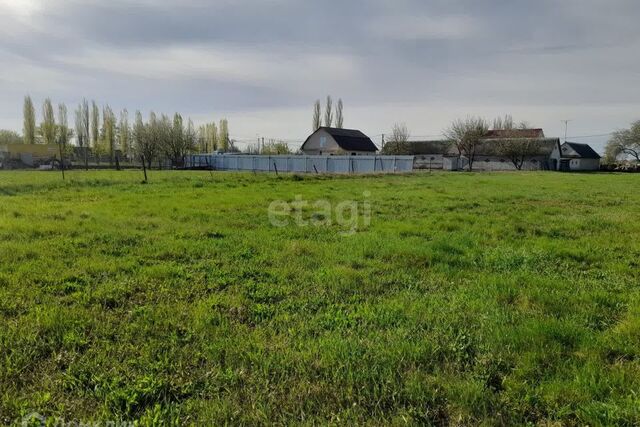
[572, 156]
[334, 141]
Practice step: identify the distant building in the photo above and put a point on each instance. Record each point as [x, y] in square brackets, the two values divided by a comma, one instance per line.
[489, 157]
[428, 154]
[27, 154]
[572, 156]
[442, 154]
[333, 141]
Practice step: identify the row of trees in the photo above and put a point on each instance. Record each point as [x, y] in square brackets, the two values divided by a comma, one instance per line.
[272, 147]
[105, 133]
[328, 114]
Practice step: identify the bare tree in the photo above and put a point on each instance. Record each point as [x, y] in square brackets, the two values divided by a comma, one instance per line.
[328, 112]
[399, 140]
[29, 126]
[503, 123]
[317, 121]
[624, 143]
[512, 144]
[339, 114]
[466, 136]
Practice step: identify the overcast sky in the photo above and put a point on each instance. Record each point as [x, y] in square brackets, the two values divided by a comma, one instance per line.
[262, 63]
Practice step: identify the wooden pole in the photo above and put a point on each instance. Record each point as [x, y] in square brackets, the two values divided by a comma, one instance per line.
[61, 160]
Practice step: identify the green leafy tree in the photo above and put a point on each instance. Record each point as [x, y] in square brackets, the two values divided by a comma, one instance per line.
[109, 133]
[48, 125]
[29, 124]
[124, 133]
[95, 124]
[144, 141]
[624, 144]
[223, 135]
[10, 137]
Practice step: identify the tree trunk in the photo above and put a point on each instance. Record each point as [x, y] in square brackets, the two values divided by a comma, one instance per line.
[61, 160]
[144, 169]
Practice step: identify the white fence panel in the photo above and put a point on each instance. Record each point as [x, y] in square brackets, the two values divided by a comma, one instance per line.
[309, 164]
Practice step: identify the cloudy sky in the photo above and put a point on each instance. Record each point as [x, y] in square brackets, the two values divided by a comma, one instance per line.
[262, 63]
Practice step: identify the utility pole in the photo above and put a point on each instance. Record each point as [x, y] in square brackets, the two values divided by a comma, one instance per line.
[383, 140]
[262, 146]
[566, 127]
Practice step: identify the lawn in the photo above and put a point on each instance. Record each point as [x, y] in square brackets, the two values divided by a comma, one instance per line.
[504, 298]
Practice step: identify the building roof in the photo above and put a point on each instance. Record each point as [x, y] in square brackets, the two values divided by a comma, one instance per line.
[427, 147]
[348, 139]
[584, 150]
[490, 147]
[514, 133]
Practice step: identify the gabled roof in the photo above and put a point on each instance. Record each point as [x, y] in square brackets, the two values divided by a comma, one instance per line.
[584, 150]
[514, 133]
[348, 139]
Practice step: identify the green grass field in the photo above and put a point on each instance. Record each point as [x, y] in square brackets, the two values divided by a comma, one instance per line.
[506, 298]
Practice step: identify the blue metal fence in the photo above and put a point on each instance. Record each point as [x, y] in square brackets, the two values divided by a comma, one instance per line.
[302, 164]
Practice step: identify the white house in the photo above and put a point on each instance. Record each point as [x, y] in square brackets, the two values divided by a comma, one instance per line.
[572, 156]
[333, 141]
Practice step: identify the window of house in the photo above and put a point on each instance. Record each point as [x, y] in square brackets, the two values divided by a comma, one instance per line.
[323, 141]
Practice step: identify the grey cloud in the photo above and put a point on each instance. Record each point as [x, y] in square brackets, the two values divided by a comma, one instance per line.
[202, 57]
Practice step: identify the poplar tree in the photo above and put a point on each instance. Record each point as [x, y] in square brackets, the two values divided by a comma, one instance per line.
[328, 112]
[48, 125]
[29, 126]
[339, 115]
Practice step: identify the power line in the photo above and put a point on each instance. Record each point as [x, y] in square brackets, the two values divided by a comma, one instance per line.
[591, 136]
